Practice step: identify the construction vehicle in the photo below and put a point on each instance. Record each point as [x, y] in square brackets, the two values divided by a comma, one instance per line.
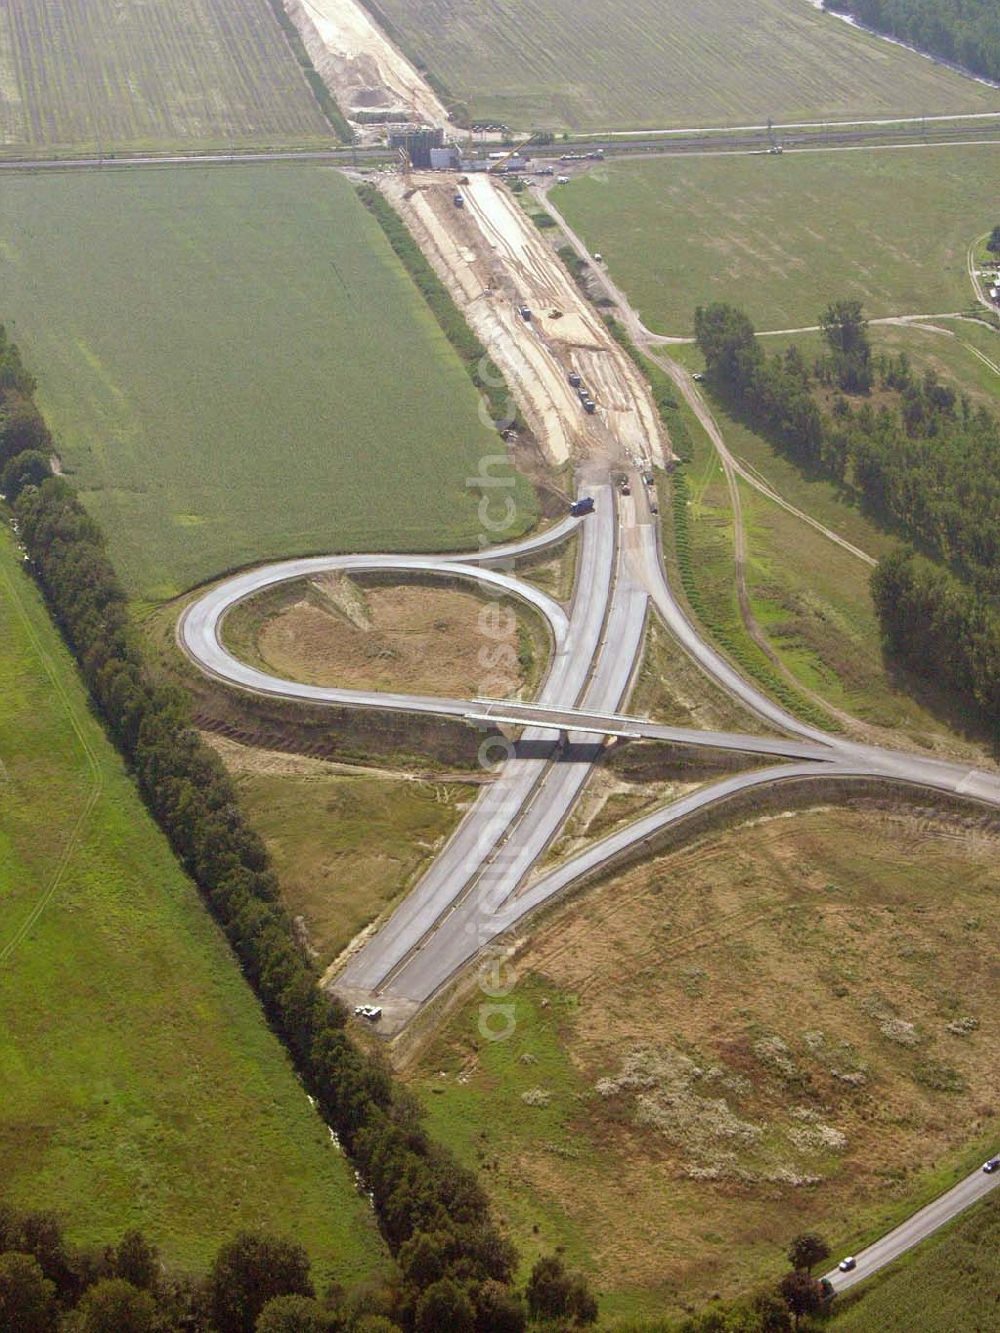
[582, 393]
[459, 199]
[525, 313]
[580, 507]
[574, 379]
[500, 160]
[589, 406]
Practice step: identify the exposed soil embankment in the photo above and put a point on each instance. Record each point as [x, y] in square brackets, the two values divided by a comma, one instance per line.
[494, 262]
[359, 64]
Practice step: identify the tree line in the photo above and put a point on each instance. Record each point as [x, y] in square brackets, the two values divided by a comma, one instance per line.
[925, 462]
[487, 378]
[433, 1212]
[965, 32]
[256, 1284]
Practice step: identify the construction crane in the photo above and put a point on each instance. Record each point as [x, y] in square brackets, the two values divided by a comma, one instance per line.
[407, 168]
[500, 166]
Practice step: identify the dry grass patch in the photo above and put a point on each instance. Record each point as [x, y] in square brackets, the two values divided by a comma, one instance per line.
[786, 1024]
[421, 638]
[345, 843]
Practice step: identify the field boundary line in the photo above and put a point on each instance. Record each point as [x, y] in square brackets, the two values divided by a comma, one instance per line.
[97, 778]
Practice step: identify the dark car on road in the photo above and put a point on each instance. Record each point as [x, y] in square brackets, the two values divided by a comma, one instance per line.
[992, 1165]
[846, 1265]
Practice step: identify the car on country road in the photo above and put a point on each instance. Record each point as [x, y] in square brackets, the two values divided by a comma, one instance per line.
[992, 1165]
[846, 1265]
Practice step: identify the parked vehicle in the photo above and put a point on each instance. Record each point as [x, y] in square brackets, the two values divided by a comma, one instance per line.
[459, 200]
[580, 507]
[589, 406]
[575, 379]
[525, 312]
[370, 1011]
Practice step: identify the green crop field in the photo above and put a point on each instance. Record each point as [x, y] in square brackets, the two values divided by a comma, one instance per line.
[636, 64]
[85, 74]
[141, 1085]
[236, 366]
[782, 236]
[951, 1280]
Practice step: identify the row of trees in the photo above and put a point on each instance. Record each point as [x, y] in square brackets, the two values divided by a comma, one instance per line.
[965, 32]
[940, 627]
[433, 1213]
[925, 461]
[484, 374]
[256, 1284]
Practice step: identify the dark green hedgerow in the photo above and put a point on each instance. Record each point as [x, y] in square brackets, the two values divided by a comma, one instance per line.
[416, 1185]
[739, 649]
[320, 91]
[483, 373]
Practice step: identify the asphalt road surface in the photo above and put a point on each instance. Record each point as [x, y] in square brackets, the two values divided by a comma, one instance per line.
[482, 885]
[916, 1228]
[485, 882]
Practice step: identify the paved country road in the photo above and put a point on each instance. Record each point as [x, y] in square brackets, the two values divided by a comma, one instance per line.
[916, 1228]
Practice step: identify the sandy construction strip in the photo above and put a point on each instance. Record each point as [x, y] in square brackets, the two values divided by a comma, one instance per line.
[493, 260]
[358, 63]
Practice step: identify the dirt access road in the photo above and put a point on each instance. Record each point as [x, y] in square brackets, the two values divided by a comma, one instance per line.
[493, 260]
[359, 64]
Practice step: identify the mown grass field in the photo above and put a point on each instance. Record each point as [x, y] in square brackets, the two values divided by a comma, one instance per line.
[647, 63]
[783, 236]
[236, 366]
[787, 1025]
[949, 1283]
[141, 1085]
[185, 74]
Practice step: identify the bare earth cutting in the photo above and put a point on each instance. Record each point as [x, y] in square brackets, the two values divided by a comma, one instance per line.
[412, 638]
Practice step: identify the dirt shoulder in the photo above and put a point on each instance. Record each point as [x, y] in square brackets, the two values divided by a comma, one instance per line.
[494, 261]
